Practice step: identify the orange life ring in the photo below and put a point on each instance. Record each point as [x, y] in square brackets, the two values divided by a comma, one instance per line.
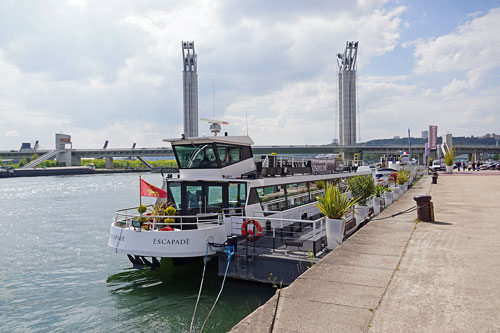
[249, 233]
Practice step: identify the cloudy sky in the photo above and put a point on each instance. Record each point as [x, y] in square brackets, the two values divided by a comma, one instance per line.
[112, 69]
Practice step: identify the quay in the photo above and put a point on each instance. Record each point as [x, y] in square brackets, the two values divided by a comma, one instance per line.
[399, 275]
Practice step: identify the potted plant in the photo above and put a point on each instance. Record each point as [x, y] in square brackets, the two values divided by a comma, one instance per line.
[336, 206]
[377, 201]
[402, 179]
[449, 158]
[361, 187]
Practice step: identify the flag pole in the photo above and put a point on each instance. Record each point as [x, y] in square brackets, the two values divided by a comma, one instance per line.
[140, 197]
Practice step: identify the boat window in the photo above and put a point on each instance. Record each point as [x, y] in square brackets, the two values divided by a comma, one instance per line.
[194, 196]
[174, 195]
[214, 198]
[229, 154]
[272, 198]
[196, 156]
[297, 194]
[316, 189]
[237, 195]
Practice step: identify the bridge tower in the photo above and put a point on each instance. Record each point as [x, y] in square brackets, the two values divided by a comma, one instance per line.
[190, 83]
[347, 94]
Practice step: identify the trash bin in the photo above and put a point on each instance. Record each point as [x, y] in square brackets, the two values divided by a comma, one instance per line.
[424, 207]
[434, 177]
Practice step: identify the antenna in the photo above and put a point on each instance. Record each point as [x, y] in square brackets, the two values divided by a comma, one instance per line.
[215, 125]
[213, 96]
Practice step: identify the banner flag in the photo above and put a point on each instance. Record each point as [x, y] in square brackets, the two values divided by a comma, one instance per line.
[433, 137]
[148, 190]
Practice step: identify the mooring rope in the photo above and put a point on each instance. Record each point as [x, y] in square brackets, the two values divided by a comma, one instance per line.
[199, 292]
[229, 250]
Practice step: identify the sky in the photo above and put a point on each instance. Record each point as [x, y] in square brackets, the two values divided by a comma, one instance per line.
[112, 69]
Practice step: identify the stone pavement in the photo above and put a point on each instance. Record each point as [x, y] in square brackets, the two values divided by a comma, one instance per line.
[395, 275]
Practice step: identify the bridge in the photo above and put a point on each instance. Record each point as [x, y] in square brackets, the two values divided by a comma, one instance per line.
[348, 152]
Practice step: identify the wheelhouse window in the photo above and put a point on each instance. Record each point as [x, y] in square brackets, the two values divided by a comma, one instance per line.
[174, 195]
[230, 154]
[196, 156]
[237, 195]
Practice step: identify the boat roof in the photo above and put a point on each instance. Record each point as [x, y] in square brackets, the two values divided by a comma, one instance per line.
[235, 140]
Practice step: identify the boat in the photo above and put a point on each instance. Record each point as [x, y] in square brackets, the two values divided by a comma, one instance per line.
[53, 171]
[223, 194]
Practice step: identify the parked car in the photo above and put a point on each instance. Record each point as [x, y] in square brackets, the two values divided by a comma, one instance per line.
[438, 165]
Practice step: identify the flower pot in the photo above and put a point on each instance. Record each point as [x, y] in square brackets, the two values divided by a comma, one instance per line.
[396, 193]
[376, 205]
[405, 186]
[360, 214]
[387, 198]
[334, 232]
[449, 169]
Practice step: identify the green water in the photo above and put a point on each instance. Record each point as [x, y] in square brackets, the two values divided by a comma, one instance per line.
[57, 274]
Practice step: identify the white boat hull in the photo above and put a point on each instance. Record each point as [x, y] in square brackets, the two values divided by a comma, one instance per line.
[166, 244]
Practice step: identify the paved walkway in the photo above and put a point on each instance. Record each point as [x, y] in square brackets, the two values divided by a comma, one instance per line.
[395, 275]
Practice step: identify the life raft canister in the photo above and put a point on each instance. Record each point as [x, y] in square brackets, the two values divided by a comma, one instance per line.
[167, 229]
[249, 233]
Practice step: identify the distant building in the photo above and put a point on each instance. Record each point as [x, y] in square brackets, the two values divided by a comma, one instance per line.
[448, 139]
[25, 146]
[347, 94]
[425, 134]
[397, 137]
[335, 142]
[190, 83]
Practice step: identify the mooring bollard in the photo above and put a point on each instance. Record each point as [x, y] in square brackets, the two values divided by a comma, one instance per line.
[434, 177]
[424, 208]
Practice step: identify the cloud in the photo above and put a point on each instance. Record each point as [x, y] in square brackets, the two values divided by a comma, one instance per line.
[472, 48]
[98, 70]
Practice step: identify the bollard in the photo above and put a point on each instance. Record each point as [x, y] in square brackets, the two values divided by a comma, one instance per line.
[424, 208]
[434, 177]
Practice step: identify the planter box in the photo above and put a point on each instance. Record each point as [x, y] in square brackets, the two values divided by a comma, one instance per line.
[387, 198]
[449, 169]
[396, 193]
[335, 232]
[377, 202]
[360, 214]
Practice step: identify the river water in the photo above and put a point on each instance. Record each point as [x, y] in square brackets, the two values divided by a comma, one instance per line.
[57, 274]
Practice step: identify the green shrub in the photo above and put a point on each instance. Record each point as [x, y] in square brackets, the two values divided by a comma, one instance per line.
[449, 157]
[361, 187]
[142, 209]
[403, 176]
[334, 204]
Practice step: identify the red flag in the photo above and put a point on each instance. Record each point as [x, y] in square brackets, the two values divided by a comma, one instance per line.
[148, 190]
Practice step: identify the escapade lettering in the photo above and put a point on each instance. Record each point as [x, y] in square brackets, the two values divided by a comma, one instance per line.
[171, 241]
[118, 238]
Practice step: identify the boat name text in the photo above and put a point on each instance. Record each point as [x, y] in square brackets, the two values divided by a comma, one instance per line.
[164, 241]
[118, 238]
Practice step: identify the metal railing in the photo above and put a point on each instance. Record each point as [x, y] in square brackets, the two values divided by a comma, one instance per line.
[129, 217]
[281, 234]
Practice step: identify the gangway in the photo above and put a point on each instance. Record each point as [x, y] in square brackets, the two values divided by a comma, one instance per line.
[41, 159]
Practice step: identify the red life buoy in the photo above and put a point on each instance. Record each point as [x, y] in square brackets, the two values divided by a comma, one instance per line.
[167, 229]
[245, 232]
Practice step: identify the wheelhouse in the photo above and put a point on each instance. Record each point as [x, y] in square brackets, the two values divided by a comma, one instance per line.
[199, 197]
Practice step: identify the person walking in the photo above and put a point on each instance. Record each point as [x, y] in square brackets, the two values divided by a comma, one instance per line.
[473, 166]
[458, 166]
